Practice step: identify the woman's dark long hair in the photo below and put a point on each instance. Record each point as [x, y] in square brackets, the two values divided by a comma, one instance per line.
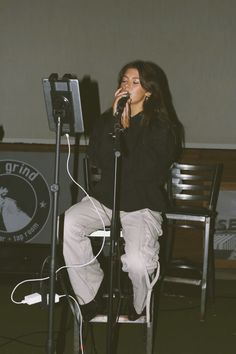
[159, 104]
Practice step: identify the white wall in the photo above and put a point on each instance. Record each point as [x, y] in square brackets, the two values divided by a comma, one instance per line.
[193, 41]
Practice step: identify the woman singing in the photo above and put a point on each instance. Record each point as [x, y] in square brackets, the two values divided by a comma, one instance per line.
[151, 138]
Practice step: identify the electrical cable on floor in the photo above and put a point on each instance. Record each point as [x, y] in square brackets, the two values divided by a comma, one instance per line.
[74, 265]
[34, 298]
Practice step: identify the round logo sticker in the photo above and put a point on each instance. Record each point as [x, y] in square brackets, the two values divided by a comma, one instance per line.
[25, 201]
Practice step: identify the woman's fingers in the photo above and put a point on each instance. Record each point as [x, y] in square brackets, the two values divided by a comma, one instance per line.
[125, 118]
[118, 95]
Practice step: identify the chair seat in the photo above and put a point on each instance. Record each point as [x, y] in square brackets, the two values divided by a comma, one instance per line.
[183, 210]
[184, 263]
[103, 233]
[121, 319]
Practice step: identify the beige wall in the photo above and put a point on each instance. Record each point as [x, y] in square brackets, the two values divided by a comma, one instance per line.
[193, 41]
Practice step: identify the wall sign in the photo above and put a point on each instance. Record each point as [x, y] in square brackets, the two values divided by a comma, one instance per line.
[225, 234]
[25, 201]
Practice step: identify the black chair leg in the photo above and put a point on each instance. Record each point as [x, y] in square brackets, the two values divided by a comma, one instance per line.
[61, 337]
[211, 275]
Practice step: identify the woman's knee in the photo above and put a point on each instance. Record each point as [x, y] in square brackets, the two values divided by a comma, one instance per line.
[133, 263]
[72, 225]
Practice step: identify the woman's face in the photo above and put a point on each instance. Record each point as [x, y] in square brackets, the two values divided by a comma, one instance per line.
[130, 83]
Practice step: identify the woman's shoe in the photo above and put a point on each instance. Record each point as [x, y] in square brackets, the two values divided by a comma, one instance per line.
[94, 307]
[132, 314]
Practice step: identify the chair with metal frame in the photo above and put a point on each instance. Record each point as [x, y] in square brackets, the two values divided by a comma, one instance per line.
[193, 192]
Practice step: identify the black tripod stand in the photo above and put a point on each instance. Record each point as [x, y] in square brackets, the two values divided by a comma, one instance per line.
[115, 232]
[62, 98]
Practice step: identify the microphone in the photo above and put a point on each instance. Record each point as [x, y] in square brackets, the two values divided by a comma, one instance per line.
[121, 104]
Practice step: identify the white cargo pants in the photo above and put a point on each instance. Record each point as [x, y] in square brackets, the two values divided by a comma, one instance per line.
[140, 230]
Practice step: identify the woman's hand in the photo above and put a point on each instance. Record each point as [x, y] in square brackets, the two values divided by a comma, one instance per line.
[125, 116]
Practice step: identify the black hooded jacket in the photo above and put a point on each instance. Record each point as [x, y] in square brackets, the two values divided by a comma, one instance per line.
[147, 153]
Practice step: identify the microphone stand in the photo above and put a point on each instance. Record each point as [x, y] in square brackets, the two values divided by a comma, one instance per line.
[55, 191]
[115, 231]
[62, 98]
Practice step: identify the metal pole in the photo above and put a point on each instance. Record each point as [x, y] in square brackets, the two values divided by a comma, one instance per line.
[115, 230]
[55, 191]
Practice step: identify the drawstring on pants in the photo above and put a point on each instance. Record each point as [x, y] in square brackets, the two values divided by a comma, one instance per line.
[150, 285]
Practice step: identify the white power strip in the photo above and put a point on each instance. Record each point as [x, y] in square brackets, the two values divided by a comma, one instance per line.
[36, 298]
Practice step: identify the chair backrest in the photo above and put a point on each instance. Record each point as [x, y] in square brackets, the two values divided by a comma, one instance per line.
[194, 186]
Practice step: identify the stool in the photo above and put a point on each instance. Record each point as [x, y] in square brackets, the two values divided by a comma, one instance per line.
[146, 319]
